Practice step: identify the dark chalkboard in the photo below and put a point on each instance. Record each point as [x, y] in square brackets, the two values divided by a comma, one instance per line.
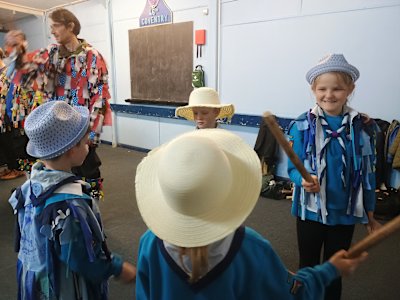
[161, 63]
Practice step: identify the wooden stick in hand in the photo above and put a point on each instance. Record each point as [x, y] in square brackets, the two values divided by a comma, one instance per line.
[374, 238]
[371, 240]
[280, 138]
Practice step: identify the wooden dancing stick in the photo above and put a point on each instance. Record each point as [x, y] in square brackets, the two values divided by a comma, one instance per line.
[278, 134]
[374, 238]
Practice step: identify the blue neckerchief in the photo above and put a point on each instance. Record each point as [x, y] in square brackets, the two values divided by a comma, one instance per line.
[359, 164]
[340, 135]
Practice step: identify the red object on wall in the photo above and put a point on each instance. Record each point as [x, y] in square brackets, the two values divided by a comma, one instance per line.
[200, 37]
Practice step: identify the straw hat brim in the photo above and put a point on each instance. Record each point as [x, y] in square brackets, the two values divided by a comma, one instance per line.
[194, 231]
[226, 110]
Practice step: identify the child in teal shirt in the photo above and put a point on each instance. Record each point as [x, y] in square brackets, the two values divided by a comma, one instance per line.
[194, 193]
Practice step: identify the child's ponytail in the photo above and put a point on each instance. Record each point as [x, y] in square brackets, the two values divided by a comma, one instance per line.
[199, 259]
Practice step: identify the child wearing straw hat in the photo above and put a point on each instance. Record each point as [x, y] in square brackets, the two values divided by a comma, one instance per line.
[62, 252]
[195, 247]
[205, 108]
[338, 146]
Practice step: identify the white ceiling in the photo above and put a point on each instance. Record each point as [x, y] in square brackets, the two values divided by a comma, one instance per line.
[14, 10]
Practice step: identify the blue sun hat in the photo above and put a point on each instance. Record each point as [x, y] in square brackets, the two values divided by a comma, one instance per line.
[55, 127]
[332, 63]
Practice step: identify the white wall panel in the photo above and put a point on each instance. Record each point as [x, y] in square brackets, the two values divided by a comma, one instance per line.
[107, 134]
[127, 9]
[132, 9]
[171, 128]
[89, 13]
[35, 31]
[328, 6]
[264, 64]
[144, 132]
[250, 11]
[138, 131]
[248, 134]
[177, 5]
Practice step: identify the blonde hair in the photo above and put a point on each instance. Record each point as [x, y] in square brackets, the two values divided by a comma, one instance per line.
[199, 259]
[342, 76]
[1, 53]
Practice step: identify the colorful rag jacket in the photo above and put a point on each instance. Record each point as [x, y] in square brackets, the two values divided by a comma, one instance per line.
[79, 78]
[343, 160]
[61, 246]
[15, 102]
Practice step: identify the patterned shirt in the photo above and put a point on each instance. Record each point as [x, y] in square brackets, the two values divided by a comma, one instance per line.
[78, 78]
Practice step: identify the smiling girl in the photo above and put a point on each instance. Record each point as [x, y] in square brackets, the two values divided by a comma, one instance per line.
[337, 146]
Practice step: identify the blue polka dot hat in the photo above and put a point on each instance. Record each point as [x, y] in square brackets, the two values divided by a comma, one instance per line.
[55, 127]
[332, 63]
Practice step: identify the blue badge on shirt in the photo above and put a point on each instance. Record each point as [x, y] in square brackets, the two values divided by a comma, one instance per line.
[37, 189]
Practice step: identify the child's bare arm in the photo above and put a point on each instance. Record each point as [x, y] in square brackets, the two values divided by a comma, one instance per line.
[128, 273]
[372, 224]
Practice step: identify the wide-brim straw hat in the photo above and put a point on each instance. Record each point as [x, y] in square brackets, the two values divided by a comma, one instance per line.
[199, 187]
[332, 63]
[55, 127]
[205, 97]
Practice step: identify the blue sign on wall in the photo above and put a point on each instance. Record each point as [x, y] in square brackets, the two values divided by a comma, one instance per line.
[156, 12]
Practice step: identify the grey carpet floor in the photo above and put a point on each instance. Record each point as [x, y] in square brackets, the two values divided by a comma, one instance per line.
[378, 278]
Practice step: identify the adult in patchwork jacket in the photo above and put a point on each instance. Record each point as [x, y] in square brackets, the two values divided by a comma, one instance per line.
[71, 71]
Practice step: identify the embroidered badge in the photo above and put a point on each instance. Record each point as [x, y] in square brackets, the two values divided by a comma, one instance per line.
[37, 189]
